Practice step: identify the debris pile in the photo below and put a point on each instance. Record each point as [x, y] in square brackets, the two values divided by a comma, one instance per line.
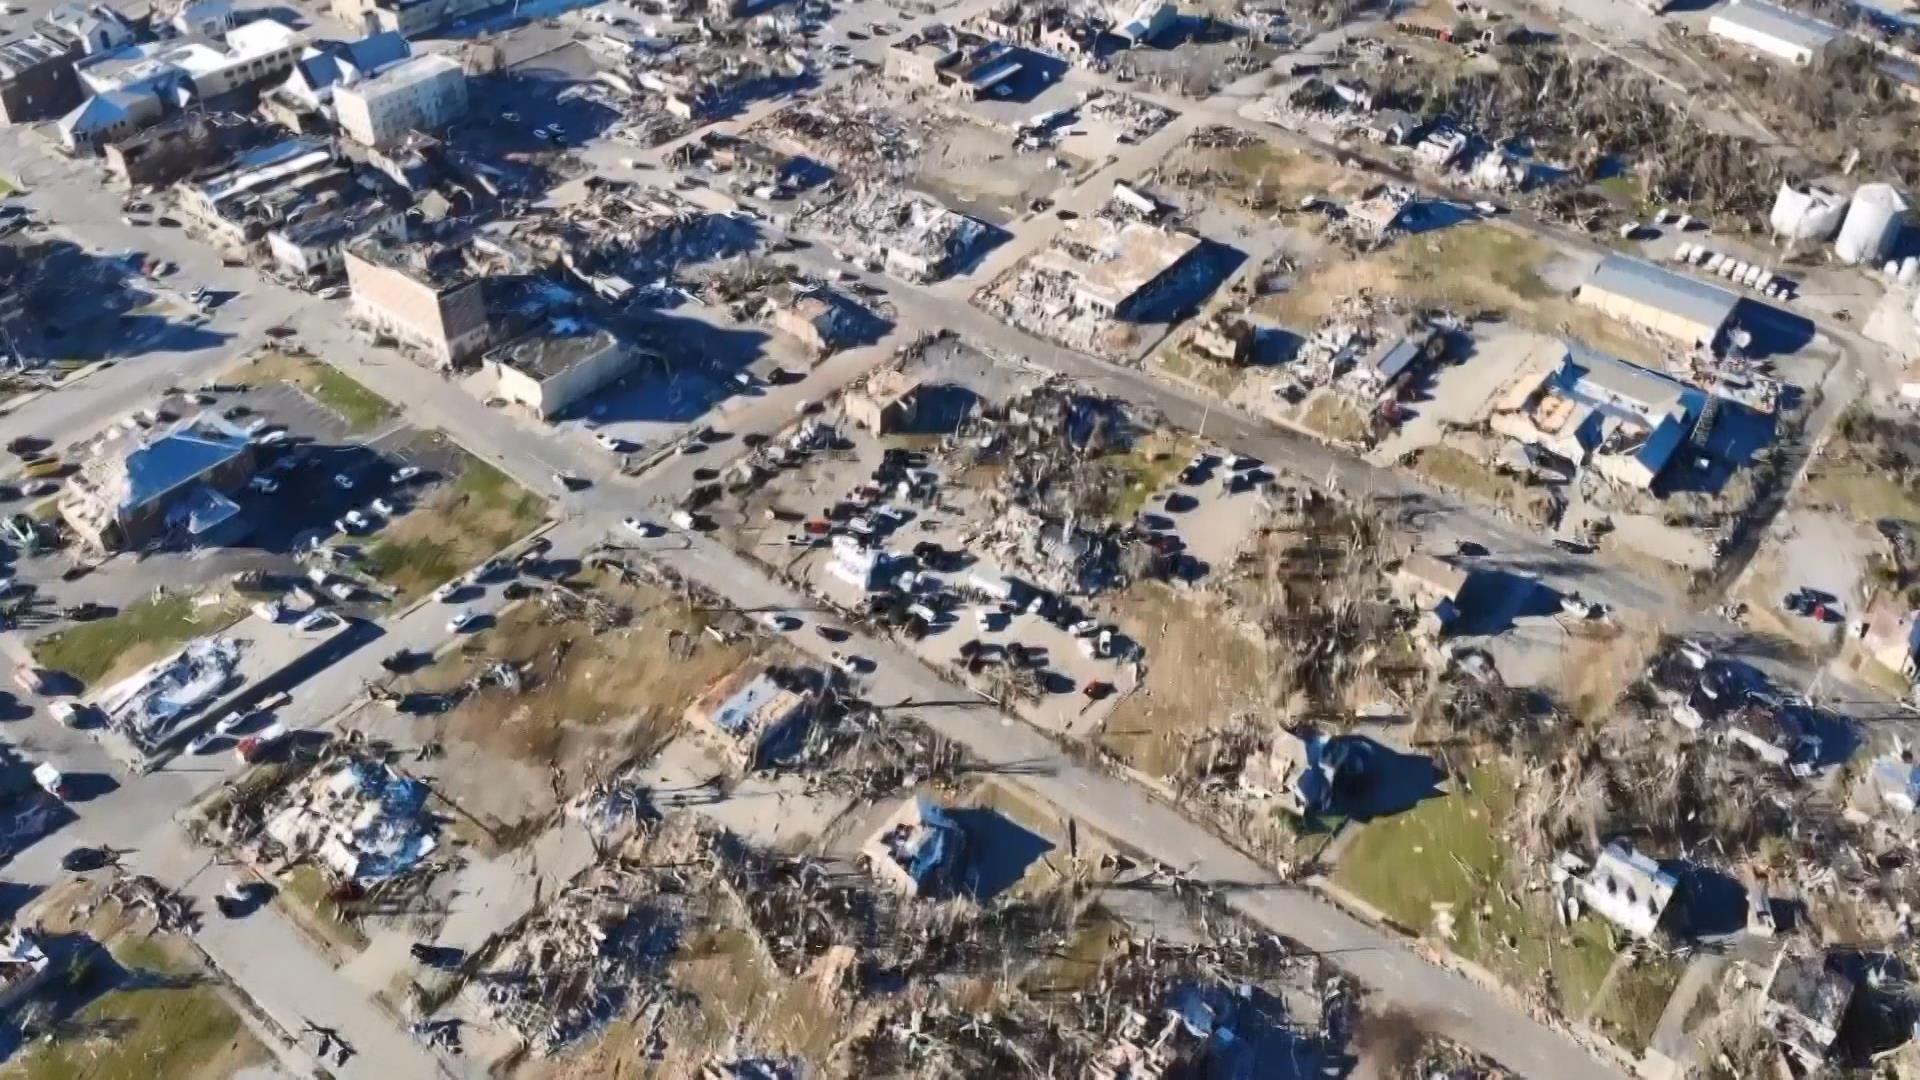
[357, 817]
[148, 708]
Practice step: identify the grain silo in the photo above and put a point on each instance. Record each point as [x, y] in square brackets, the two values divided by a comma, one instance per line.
[1807, 213]
[1873, 222]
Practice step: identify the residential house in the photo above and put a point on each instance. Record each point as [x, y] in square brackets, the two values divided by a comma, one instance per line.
[1629, 890]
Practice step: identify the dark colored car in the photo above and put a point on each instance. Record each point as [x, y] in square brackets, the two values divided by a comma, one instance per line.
[82, 859]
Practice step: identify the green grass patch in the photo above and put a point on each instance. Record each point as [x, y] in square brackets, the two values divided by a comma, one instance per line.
[98, 652]
[160, 1023]
[1637, 999]
[457, 526]
[359, 408]
[1447, 851]
[1623, 188]
[1153, 462]
[7, 186]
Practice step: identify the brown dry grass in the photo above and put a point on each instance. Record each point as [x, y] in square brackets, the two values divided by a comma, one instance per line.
[1453, 468]
[457, 526]
[1599, 664]
[1202, 672]
[1337, 418]
[1469, 267]
[618, 693]
[1281, 174]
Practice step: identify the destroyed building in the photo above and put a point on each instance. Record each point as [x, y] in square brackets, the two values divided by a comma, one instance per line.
[136, 85]
[756, 714]
[1581, 406]
[151, 708]
[1111, 268]
[424, 295]
[919, 851]
[1629, 890]
[137, 487]
[884, 403]
[580, 962]
[24, 967]
[1307, 771]
[409, 18]
[1805, 1002]
[180, 145]
[555, 367]
[822, 319]
[913, 235]
[359, 818]
[313, 247]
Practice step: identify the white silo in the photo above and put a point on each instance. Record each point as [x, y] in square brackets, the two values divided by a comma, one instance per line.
[1808, 213]
[1873, 221]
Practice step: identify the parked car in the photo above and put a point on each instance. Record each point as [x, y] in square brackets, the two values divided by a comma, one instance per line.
[69, 713]
[51, 780]
[82, 859]
[405, 473]
[202, 742]
[316, 621]
[265, 485]
[382, 506]
[641, 528]
[343, 481]
[462, 620]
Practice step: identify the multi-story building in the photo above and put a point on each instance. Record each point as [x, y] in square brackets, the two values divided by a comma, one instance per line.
[422, 295]
[420, 94]
[36, 79]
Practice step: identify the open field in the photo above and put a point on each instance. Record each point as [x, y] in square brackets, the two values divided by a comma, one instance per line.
[359, 408]
[457, 526]
[1442, 870]
[144, 1010]
[1202, 674]
[99, 652]
[1334, 416]
[590, 696]
[1471, 267]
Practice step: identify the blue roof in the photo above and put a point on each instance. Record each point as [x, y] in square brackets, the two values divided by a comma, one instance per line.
[179, 457]
[736, 713]
[1660, 445]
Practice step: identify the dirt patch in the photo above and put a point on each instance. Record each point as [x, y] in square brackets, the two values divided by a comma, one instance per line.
[1455, 469]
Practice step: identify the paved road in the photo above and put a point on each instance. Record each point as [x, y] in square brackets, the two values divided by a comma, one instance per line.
[133, 814]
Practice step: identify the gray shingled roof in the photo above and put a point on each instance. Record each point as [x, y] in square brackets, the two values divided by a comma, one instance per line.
[1655, 286]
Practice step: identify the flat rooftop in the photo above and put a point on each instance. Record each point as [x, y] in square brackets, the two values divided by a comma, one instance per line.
[438, 266]
[1777, 22]
[1657, 287]
[1115, 262]
[554, 348]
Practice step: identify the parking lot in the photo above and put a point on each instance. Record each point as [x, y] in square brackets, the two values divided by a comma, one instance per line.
[1051, 652]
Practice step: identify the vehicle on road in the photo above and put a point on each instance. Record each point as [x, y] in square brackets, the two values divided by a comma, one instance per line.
[202, 743]
[610, 443]
[231, 722]
[567, 481]
[405, 473]
[641, 528]
[315, 621]
[341, 591]
[343, 481]
[462, 621]
[447, 592]
[82, 859]
[257, 745]
[68, 713]
[51, 780]
[383, 507]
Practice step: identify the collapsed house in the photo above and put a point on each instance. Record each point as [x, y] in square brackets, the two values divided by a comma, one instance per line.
[580, 961]
[953, 62]
[1113, 268]
[151, 707]
[884, 403]
[1804, 1004]
[361, 820]
[919, 851]
[913, 235]
[24, 967]
[1307, 771]
[755, 714]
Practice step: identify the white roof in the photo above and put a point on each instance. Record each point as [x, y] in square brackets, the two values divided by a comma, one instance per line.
[419, 69]
[1778, 23]
[260, 37]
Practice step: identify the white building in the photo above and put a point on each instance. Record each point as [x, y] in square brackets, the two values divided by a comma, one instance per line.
[420, 94]
[1774, 31]
[1629, 890]
[97, 27]
[133, 86]
[208, 18]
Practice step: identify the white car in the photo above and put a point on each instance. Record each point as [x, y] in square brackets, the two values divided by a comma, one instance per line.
[230, 723]
[778, 621]
[270, 438]
[357, 519]
[609, 443]
[343, 481]
[268, 611]
[382, 506]
[67, 712]
[640, 528]
[316, 621]
[202, 742]
[405, 473]
[341, 591]
[265, 485]
[461, 621]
